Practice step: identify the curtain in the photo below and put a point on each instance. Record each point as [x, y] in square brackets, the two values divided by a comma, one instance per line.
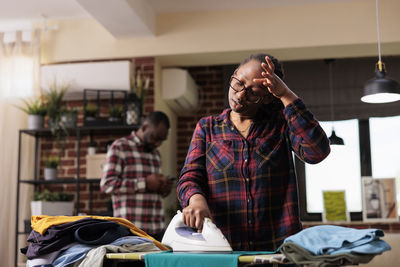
[19, 78]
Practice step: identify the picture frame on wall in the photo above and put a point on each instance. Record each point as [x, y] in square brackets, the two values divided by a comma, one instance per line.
[335, 208]
[379, 199]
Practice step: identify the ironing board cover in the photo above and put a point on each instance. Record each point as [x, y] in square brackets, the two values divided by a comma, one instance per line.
[176, 259]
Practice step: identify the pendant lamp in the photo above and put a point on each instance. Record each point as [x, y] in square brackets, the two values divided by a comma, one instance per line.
[380, 89]
[333, 139]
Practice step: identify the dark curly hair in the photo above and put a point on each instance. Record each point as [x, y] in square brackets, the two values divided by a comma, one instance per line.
[261, 58]
[157, 117]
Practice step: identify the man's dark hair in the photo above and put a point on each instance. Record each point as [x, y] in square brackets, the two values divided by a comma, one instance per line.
[157, 117]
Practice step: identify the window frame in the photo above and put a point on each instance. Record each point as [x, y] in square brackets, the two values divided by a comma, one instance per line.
[366, 170]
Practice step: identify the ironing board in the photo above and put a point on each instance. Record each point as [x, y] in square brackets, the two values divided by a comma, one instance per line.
[139, 256]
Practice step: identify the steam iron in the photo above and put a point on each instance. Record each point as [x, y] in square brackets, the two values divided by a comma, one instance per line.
[182, 238]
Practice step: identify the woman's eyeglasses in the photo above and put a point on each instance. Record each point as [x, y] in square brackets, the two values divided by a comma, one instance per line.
[253, 94]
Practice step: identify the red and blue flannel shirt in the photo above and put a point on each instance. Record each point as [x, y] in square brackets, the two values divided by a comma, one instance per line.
[250, 183]
[127, 165]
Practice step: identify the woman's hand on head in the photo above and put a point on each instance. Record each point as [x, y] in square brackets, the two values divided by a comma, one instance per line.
[274, 84]
[193, 215]
[270, 80]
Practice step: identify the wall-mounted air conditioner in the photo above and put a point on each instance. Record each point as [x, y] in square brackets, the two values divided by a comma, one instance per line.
[179, 90]
[107, 75]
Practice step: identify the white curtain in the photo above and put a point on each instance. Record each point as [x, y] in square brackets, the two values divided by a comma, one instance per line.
[19, 78]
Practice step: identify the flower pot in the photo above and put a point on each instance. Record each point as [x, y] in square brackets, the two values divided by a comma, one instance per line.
[35, 122]
[52, 208]
[50, 173]
[69, 120]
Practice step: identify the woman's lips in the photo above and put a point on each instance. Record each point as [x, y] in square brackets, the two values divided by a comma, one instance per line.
[237, 103]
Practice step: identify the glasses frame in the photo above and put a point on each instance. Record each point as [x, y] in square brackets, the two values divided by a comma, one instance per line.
[245, 89]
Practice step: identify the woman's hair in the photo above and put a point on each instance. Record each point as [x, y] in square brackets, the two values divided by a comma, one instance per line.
[261, 58]
[276, 104]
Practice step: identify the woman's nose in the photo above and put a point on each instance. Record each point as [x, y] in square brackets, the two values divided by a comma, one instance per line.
[242, 94]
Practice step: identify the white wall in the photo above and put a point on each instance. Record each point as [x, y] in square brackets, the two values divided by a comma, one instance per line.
[342, 29]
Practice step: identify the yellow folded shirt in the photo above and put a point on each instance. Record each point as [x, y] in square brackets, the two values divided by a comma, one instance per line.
[42, 222]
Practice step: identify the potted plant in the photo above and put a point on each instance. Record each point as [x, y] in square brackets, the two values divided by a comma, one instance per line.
[115, 113]
[50, 171]
[53, 98]
[36, 110]
[136, 97]
[52, 203]
[69, 117]
[90, 112]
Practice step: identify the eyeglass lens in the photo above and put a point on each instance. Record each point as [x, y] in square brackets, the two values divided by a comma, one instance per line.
[238, 86]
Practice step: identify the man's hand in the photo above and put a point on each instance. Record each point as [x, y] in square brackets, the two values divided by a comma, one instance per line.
[165, 188]
[194, 214]
[154, 182]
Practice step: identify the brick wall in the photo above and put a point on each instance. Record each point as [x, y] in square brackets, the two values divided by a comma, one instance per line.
[68, 167]
[210, 82]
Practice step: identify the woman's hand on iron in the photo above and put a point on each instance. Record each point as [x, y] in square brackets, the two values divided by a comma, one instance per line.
[193, 215]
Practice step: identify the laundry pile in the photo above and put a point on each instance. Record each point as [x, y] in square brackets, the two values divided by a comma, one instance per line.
[329, 245]
[83, 240]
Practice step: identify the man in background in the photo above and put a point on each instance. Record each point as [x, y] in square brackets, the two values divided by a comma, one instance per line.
[132, 175]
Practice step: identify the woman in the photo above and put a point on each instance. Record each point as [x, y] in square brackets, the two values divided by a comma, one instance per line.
[239, 169]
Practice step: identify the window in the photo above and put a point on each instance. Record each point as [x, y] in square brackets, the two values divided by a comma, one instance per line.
[385, 146]
[339, 171]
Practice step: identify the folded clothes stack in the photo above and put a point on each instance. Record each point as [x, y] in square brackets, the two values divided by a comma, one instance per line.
[83, 240]
[329, 245]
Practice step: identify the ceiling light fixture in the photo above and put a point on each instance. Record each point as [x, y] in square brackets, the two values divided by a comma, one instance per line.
[380, 89]
[333, 139]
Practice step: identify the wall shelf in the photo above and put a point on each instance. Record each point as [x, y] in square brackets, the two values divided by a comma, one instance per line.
[60, 181]
[78, 133]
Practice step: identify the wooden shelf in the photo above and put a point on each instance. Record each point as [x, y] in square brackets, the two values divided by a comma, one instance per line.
[61, 181]
[84, 130]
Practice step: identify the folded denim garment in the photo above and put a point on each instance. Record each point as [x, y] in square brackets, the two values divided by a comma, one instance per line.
[331, 240]
[76, 254]
[100, 233]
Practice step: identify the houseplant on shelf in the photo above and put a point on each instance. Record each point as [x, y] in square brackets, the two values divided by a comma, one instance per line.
[115, 113]
[52, 203]
[50, 171]
[36, 110]
[53, 98]
[90, 112]
[136, 97]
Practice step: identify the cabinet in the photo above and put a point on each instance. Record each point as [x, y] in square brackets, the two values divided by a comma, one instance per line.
[34, 180]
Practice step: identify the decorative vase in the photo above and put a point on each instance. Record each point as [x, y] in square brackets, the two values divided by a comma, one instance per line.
[35, 122]
[50, 173]
[133, 109]
[69, 120]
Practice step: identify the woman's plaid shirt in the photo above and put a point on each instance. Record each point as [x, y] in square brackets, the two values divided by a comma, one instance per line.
[127, 165]
[250, 183]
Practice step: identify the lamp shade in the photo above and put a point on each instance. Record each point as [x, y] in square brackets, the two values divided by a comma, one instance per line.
[381, 89]
[335, 140]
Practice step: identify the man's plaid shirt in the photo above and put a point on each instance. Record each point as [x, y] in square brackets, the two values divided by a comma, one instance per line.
[127, 165]
[250, 183]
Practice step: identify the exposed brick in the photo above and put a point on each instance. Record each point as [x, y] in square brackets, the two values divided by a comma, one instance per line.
[395, 227]
[65, 163]
[48, 145]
